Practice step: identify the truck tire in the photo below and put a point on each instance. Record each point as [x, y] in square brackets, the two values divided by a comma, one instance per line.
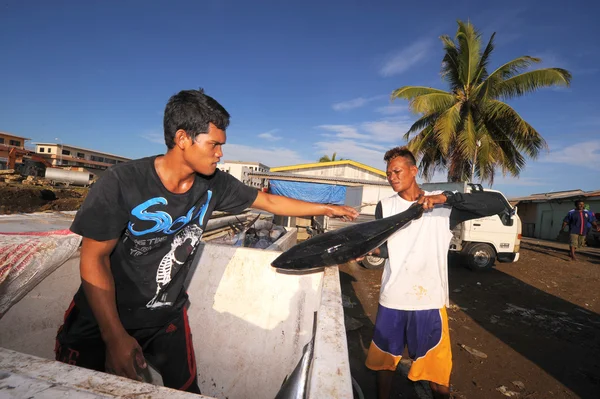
[480, 256]
[372, 262]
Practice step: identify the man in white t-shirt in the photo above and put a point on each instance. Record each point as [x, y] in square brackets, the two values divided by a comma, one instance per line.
[414, 286]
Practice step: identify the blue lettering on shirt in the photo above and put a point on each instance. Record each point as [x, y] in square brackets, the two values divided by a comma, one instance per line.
[162, 220]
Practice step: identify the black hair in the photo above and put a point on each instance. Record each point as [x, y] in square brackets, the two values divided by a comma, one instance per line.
[578, 201]
[192, 111]
[403, 152]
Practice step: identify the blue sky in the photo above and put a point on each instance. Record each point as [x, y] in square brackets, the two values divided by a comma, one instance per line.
[300, 79]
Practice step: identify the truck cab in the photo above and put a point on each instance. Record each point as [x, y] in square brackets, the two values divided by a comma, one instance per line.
[480, 242]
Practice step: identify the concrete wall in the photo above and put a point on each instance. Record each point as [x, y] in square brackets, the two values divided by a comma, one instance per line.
[249, 323]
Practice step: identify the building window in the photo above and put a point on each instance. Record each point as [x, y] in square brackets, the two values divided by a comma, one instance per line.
[66, 152]
[80, 155]
[49, 150]
[15, 142]
[42, 149]
[1, 140]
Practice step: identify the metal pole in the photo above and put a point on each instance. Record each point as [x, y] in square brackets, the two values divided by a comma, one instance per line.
[478, 144]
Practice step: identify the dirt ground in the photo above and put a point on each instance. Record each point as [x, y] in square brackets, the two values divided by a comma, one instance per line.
[20, 198]
[537, 321]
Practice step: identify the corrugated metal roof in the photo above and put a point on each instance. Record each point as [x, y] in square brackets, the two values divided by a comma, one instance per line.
[556, 196]
[318, 179]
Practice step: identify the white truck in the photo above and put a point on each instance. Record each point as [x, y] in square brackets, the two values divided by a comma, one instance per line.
[478, 243]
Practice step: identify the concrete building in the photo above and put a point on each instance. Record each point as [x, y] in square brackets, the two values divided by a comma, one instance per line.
[347, 169]
[542, 214]
[340, 182]
[9, 141]
[77, 158]
[242, 171]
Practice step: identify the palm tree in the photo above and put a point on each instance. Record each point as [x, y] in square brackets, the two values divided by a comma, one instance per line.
[470, 130]
[325, 158]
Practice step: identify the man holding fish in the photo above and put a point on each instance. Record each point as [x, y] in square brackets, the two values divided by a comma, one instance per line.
[141, 224]
[414, 287]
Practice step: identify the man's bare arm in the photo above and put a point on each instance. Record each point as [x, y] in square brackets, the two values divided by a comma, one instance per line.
[99, 287]
[285, 206]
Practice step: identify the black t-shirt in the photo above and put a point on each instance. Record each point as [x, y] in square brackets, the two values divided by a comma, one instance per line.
[158, 234]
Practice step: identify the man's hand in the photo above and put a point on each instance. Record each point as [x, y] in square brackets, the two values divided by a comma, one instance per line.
[430, 201]
[123, 354]
[343, 212]
[375, 252]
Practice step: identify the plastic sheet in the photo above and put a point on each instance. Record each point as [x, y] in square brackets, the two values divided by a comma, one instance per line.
[311, 192]
[27, 258]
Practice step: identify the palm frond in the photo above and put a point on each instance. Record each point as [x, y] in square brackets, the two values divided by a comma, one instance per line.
[531, 81]
[466, 137]
[513, 67]
[484, 61]
[432, 103]
[450, 65]
[445, 127]
[469, 46]
[421, 123]
[524, 137]
[410, 92]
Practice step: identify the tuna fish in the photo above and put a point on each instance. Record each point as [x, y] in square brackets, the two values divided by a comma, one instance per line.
[345, 244]
[295, 385]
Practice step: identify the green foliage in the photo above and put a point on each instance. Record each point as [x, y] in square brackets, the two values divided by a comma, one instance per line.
[472, 111]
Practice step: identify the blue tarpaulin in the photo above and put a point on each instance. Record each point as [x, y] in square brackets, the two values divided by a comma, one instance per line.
[311, 192]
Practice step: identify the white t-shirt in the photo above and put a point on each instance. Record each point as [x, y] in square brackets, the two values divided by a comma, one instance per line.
[415, 276]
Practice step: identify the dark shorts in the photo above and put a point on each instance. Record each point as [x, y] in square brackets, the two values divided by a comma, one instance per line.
[168, 348]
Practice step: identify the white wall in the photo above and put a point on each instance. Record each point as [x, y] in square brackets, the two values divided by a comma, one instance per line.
[367, 197]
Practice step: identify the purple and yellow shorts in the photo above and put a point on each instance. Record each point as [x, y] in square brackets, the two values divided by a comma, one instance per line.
[423, 332]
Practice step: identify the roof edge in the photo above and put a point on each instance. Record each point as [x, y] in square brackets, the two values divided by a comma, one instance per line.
[331, 163]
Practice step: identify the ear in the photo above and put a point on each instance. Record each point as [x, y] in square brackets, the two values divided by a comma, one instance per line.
[182, 140]
[414, 170]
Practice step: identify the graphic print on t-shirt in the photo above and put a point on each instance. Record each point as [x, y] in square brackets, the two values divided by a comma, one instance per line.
[183, 246]
[156, 228]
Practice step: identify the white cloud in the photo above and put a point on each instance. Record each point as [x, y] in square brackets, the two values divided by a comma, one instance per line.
[585, 154]
[153, 137]
[392, 109]
[355, 103]
[403, 60]
[270, 135]
[270, 156]
[388, 130]
[343, 132]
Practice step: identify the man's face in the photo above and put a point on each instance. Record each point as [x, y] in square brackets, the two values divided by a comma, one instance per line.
[206, 151]
[580, 206]
[401, 174]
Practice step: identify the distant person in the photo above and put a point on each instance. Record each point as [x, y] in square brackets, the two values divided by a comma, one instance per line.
[141, 224]
[579, 221]
[414, 286]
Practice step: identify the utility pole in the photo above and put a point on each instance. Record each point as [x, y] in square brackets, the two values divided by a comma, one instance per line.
[478, 144]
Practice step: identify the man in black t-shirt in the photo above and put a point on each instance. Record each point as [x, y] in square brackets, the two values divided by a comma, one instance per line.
[141, 224]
